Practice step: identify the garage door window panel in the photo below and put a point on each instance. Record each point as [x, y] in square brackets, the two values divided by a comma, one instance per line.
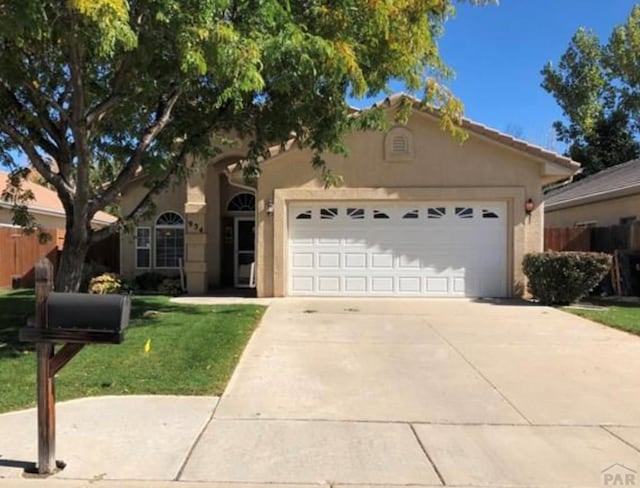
[328, 213]
[436, 213]
[355, 213]
[413, 214]
[305, 215]
[464, 212]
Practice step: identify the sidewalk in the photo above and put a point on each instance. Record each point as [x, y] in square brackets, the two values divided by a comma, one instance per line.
[126, 438]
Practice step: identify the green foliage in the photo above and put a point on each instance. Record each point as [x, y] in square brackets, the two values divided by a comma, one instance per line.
[170, 286]
[608, 143]
[20, 198]
[597, 86]
[89, 271]
[95, 92]
[148, 281]
[105, 284]
[561, 278]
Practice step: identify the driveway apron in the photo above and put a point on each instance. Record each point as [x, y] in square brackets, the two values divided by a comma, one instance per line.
[426, 392]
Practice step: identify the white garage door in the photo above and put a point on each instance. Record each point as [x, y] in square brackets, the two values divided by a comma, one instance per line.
[417, 249]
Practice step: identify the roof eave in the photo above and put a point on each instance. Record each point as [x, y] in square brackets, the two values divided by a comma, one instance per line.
[52, 212]
[593, 198]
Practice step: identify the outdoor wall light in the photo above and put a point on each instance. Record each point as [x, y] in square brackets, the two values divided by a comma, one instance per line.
[269, 207]
[529, 206]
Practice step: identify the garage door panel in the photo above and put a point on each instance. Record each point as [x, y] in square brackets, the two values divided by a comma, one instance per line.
[408, 260]
[302, 260]
[439, 249]
[329, 260]
[329, 284]
[302, 284]
[459, 285]
[437, 284]
[355, 284]
[381, 260]
[382, 284]
[410, 284]
[355, 260]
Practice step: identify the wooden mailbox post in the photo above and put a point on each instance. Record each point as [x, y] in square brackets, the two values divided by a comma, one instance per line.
[71, 319]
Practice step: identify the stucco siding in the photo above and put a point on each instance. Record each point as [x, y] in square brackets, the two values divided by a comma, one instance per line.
[172, 199]
[604, 213]
[442, 169]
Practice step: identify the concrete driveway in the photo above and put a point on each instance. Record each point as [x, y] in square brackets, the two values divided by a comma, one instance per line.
[382, 392]
[429, 392]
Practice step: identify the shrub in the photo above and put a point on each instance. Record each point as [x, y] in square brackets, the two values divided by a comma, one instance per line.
[170, 286]
[561, 278]
[105, 284]
[149, 281]
[90, 271]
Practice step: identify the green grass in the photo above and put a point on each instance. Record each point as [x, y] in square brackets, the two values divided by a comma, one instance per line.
[194, 350]
[623, 316]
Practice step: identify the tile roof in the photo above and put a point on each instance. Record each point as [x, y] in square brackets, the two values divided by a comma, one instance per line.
[468, 124]
[494, 134]
[47, 201]
[621, 177]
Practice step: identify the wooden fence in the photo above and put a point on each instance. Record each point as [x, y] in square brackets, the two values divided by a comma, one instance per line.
[596, 239]
[567, 239]
[19, 253]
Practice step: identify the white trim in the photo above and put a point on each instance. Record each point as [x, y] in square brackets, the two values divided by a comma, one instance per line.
[150, 248]
[170, 226]
[236, 251]
[55, 213]
[241, 212]
[610, 194]
[156, 227]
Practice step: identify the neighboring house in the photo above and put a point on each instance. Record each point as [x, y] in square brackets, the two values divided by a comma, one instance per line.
[45, 207]
[418, 215]
[610, 197]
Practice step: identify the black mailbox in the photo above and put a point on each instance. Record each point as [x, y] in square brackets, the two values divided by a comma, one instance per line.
[88, 312]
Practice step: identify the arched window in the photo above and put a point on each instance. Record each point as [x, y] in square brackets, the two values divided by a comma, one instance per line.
[169, 240]
[242, 202]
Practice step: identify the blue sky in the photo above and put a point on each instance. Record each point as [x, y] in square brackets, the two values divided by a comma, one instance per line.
[498, 52]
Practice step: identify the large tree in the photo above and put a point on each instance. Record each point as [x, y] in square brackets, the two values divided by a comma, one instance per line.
[598, 88]
[94, 92]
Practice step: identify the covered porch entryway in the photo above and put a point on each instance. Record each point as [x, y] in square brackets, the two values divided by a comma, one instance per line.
[220, 230]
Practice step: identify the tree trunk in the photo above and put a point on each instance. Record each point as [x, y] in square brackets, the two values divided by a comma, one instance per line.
[74, 253]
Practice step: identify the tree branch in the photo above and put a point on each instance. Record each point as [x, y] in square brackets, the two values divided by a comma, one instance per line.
[65, 192]
[56, 131]
[132, 165]
[103, 233]
[35, 128]
[95, 115]
[81, 218]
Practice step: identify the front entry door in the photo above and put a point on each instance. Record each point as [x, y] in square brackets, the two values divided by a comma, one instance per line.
[244, 251]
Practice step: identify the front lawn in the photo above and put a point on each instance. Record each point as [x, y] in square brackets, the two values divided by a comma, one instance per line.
[193, 351]
[624, 316]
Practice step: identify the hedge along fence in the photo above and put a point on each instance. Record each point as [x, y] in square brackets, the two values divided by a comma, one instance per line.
[561, 278]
